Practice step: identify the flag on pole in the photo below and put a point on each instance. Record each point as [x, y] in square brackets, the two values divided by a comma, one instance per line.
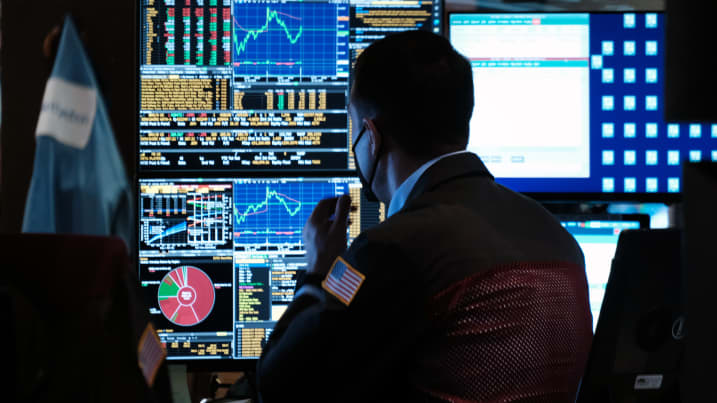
[79, 184]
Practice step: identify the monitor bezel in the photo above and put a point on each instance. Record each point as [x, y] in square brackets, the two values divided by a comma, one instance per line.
[643, 197]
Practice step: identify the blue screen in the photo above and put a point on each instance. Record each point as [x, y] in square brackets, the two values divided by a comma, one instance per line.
[573, 103]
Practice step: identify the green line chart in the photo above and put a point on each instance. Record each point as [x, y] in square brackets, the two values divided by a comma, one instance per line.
[285, 39]
[292, 206]
[254, 34]
[274, 213]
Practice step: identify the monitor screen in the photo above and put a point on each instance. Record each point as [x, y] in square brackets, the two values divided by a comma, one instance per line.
[372, 20]
[573, 103]
[256, 85]
[597, 237]
[243, 128]
[218, 258]
[244, 84]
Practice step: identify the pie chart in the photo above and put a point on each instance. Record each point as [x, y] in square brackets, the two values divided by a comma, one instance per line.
[186, 296]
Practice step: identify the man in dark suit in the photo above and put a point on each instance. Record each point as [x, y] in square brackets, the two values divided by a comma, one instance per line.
[467, 292]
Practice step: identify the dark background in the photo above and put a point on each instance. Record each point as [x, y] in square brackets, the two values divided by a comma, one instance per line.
[109, 34]
[108, 28]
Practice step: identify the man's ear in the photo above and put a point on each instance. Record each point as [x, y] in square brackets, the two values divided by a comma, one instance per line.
[374, 135]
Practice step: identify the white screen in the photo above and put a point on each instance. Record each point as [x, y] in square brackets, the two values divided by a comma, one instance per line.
[531, 79]
[598, 241]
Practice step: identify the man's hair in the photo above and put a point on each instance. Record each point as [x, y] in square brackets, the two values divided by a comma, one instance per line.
[419, 90]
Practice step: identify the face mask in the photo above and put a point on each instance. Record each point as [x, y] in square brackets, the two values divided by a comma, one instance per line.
[366, 184]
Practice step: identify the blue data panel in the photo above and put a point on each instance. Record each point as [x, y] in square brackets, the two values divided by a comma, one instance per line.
[255, 85]
[573, 103]
[271, 213]
[289, 38]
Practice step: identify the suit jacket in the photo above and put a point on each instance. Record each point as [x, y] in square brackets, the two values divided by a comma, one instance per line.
[472, 292]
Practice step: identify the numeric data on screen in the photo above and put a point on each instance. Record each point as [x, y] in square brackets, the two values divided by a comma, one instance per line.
[243, 128]
[244, 84]
[219, 258]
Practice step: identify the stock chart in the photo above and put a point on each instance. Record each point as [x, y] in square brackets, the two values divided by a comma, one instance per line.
[273, 212]
[186, 217]
[238, 100]
[249, 84]
[285, 39]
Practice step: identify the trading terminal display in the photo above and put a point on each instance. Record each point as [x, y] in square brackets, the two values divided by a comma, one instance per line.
[275, 94]
[188, 292]
[186, 216]
[197, 92]
[372, 20]
[221, 256]
[243, 128]
[186, 32]
[270, 78]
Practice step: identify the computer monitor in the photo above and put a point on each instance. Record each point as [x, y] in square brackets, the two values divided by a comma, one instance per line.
[219, 257]
[570, 105]
[242, 128]
[597, 235]
[228, 85]
[256, 85]
[639, 341]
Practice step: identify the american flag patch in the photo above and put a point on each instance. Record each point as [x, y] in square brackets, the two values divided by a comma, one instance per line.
[343, 281]
[150, 354]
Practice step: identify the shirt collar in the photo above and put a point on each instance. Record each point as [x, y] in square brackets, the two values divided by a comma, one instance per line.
[403, 191]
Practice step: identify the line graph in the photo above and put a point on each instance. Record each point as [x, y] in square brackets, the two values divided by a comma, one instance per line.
[285, 39]
[174, 234]
[263, 207]
[273, 212]
[186, 217]
[254, 34]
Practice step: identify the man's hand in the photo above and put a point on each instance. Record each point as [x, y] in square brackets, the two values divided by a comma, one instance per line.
[325, 233]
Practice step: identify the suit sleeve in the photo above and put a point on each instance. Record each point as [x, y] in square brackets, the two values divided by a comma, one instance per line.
[322, 349]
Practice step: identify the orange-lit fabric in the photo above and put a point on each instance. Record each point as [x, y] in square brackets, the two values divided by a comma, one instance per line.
[515, 333]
